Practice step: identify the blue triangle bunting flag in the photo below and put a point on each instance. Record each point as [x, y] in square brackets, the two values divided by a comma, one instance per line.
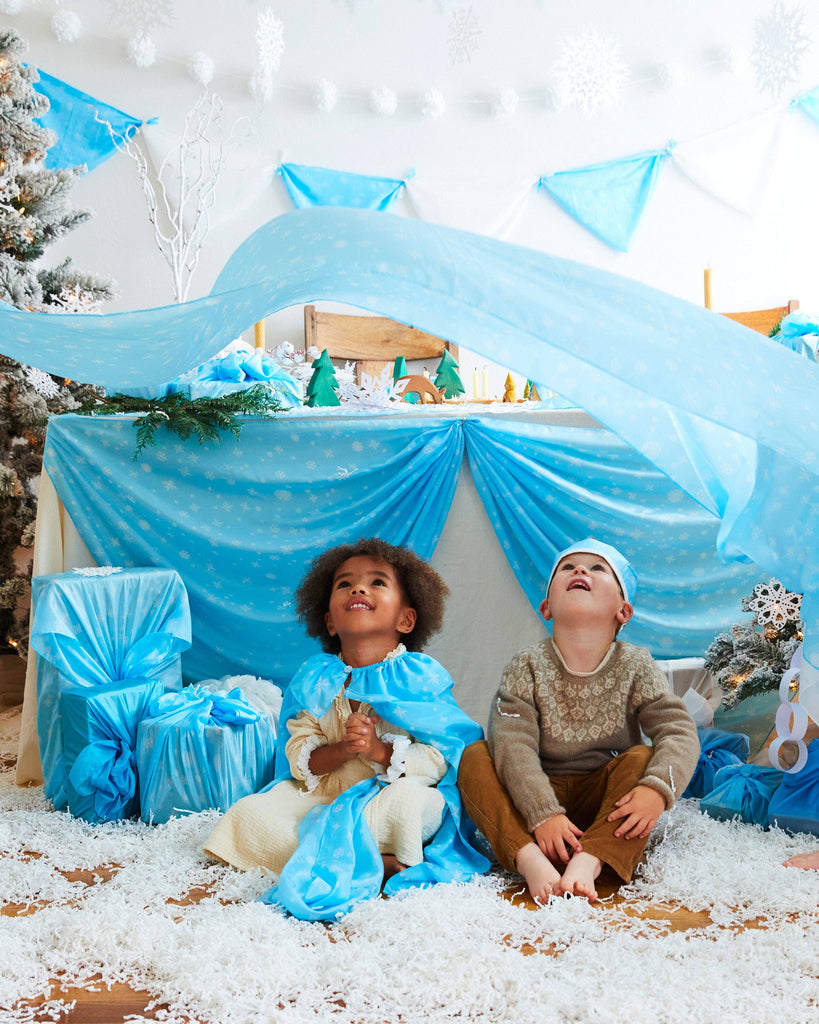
[809, 103]
[321, 186]
[72, 116]
[608, 198]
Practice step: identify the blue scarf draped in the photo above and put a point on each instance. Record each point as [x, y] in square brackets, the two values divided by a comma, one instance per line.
[337, 862]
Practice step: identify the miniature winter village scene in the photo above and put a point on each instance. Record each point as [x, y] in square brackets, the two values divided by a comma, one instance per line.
[354, 354]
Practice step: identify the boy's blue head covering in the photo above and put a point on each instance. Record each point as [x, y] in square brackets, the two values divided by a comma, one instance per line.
[626, 576]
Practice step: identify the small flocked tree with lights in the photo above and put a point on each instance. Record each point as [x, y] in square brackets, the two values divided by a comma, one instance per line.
[33, 214]
[754, 656]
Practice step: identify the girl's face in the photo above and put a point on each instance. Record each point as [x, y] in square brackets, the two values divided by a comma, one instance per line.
[366, 600]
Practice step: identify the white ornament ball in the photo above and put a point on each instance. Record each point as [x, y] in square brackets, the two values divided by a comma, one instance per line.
[505, 103]
[383, 101]
[142, 51]
[325, 96]
[66, 26]
[669, 77]
[201, 68]
[261, 86]
[433, 104]
[733, 60]
[11, 6]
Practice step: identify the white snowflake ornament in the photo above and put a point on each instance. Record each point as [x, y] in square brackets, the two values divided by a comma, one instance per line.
[66, 26]
[43, 383]
[779, 42]
[589, 73]
[773, 605]
[269, 40]
[464, 29]
[141, 17]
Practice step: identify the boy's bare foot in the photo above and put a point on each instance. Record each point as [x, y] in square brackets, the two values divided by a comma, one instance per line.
[541, 876]
[579, 876]
[392, 865]
[807, 861]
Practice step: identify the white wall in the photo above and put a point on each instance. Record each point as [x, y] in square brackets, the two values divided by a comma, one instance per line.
[359, 44]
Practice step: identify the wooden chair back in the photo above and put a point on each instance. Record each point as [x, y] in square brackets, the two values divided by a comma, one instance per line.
[371, 341]
[764, 320]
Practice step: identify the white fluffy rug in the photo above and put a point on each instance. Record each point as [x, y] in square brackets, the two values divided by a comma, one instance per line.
[451, 953]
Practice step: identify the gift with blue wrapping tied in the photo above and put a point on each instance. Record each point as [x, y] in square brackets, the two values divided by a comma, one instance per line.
[795, 804]
[99, 725]
[718, 749]
[96, 627]
[197, 749]
[742, 791]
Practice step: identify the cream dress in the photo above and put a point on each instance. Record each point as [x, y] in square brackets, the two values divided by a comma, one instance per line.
[261, 830]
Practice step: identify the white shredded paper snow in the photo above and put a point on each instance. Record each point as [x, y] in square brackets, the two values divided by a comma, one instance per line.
[450, 953]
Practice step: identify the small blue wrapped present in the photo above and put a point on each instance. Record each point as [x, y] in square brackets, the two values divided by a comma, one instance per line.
[795, 805]
[99, 746]
[742, 791]
[718, 749]
[197, 750]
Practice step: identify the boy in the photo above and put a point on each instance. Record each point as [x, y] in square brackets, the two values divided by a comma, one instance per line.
[572, 786]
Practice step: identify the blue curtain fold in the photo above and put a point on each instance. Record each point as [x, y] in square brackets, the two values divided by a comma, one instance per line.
[543, 487]
[608, 198]
[73, 117]
[322, 186]
[90, 631]
[223, 515]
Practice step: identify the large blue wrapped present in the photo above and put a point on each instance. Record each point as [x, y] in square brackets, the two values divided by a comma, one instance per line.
[198, 749]
[795, 805]
[742, 791]
[718, 749]
[99, 726]
[95, 627]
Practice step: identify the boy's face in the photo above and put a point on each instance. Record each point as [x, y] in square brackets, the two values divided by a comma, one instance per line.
[367, 600]
[585, 584]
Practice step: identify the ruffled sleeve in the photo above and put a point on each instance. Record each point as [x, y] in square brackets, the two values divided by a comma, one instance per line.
[306, 735]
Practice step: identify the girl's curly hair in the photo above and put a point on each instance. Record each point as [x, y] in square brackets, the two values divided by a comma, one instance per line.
[423, 589]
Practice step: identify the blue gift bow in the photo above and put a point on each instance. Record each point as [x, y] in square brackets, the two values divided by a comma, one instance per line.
[221, 709]
[240, 367]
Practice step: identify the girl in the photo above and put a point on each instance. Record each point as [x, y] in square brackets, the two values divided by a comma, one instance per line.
[369, 744]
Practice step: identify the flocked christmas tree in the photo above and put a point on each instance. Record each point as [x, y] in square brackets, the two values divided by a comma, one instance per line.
[753, 657]
[33, 214]
[322, 388]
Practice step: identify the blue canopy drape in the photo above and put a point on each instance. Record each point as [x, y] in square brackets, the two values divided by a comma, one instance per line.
[724, 412]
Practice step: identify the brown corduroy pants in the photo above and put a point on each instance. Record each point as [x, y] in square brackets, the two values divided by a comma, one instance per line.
[588, 800]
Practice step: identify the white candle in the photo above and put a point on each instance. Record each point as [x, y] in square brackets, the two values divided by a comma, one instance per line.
[475, 392]
[485, 383]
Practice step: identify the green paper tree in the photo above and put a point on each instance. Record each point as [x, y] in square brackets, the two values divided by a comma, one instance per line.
[322, 389]
[34, 212]
[447, 378]
[400, 370]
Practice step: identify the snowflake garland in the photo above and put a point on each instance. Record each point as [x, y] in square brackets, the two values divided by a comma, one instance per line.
[779, 42]
[43, 383]
[141, 17]
[463, 35]
[773, 605]
[589, 72]
[269, 41]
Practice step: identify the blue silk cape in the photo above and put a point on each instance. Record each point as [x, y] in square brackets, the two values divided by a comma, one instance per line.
[337, 862]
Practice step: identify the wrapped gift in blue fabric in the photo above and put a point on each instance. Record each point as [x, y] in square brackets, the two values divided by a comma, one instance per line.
[198, 749]
[99, 626]
[718, 749]
[795, 805]
[238, 371]
[99, 725]
[742, 791]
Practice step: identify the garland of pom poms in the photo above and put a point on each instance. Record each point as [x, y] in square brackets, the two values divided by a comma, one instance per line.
[205, 418]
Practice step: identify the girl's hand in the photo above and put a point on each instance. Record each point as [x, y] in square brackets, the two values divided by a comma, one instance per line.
[361, 740]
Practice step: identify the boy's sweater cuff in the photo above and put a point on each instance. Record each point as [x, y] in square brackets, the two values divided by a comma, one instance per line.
[541, 814]
[660, 787]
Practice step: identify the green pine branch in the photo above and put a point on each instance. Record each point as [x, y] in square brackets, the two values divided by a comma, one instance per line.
[204, 418]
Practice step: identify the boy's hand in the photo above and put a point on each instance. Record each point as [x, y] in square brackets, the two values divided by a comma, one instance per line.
[360, 739]
[556, 833]
[641, 807]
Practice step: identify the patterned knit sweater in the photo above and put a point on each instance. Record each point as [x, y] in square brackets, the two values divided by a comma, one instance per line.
[546, 720]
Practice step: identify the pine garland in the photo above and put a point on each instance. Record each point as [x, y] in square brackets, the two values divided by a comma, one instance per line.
[204, 418]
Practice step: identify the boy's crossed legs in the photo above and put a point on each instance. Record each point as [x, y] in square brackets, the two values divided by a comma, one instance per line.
[588, 800]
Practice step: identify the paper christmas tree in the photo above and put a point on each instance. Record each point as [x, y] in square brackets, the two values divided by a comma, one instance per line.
[447, 378]
[322, 389]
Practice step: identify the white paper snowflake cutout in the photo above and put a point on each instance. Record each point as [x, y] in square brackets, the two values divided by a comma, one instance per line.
[43, 383]
[141, 17]
[589, 72]
[269, 41]
[779, 42]
[76, 300]
[773, 605]
[464, 29]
